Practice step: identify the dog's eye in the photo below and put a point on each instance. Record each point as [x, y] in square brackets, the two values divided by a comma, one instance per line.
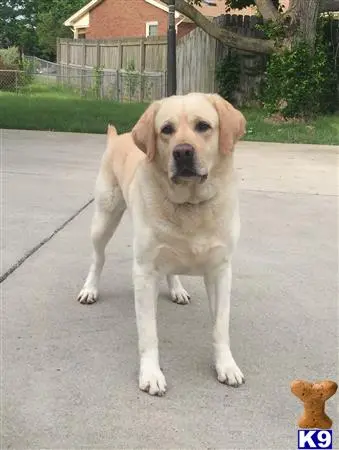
[202, 126]
[167, 129]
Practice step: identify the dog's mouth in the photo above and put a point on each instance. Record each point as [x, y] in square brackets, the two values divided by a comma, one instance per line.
[187, 174]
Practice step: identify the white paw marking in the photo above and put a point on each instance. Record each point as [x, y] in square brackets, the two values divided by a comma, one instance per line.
[230, 374]
[180, 296]
[153, 381]
[88, 295]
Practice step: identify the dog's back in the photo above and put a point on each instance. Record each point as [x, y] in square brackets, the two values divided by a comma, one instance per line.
[120, 160]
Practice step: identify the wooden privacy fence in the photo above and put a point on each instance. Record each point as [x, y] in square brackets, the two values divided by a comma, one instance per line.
[129, 69]
[146, 55]
[198, 55]
[197, 58]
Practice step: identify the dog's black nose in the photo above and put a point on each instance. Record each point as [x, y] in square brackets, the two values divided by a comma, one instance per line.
[183, 154]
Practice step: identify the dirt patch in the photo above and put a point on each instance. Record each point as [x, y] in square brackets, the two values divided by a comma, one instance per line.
[278, 118]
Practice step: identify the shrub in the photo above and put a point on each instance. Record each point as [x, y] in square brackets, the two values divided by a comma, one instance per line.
[28, 69]
[11, 78]
[10, 57]
[302, 82]
[228, 76]
[98, 79]
[8, 76]
[132, 79]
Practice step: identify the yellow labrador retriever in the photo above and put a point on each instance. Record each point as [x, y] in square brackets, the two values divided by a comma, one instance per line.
[175, 175]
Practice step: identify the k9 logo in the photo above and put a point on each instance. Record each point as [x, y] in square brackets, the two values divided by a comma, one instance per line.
[314, 439]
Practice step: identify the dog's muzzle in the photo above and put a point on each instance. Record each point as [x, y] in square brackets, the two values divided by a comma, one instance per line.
[185, 164]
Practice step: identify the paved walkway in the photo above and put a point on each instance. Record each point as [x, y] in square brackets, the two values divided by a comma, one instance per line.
[69, 371]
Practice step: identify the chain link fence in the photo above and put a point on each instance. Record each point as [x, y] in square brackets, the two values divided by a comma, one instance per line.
[117, 85]
[13, 80]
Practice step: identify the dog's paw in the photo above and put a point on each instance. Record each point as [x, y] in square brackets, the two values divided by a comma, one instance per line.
[230, 374]
[153, 381]
[180, 295]
[88, 295]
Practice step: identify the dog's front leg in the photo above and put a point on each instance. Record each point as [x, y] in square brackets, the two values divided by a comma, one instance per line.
[146, 282]
[218, 285]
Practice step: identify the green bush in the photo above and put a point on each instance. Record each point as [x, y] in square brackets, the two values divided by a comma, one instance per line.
[132, 79]
[11, 78]
[302, 82]
[98, 78]
[328, 30]
[227, 76]
[27, 72]
[8, 76]
[10, 57]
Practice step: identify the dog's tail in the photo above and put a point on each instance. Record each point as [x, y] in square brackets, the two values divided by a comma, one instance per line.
[111, 132]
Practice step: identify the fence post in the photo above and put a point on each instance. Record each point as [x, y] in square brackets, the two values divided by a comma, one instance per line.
[119, 80]
[68, 53]
[118, 85]
[142, 69]
[67, 61]
[98, 63]
[120, 55]
[82, 70]
[83, 53]
[58, 49]
[98, 59]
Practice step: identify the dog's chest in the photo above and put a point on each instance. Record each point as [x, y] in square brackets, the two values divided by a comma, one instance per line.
[191, 257]
[188, 239]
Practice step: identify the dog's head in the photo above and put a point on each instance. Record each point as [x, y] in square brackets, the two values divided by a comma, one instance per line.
[187, 135]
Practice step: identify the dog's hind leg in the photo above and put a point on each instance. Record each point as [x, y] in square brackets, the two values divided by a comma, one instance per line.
[109, 209]
[178, 293]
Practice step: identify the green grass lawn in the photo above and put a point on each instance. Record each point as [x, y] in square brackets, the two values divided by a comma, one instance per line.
[41, 107]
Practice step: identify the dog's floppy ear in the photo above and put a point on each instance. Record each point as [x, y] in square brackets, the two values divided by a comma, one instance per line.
[232, 124]
[143, 133]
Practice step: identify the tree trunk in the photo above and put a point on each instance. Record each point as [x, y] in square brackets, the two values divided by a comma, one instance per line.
[301, 18]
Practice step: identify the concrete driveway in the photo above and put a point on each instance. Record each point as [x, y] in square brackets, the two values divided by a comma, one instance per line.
[69, 372]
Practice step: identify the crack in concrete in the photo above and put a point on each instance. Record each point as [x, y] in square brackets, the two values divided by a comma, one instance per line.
[33, 250]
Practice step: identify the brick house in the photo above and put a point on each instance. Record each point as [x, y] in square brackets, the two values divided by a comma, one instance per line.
[107, 19]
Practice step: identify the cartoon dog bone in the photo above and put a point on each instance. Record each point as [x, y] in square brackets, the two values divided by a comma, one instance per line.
[314, 396]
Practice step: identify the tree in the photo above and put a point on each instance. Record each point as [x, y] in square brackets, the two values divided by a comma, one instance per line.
[49, 23]
[301, 76]
[34, 25]
[17, 25]
[297, 23]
